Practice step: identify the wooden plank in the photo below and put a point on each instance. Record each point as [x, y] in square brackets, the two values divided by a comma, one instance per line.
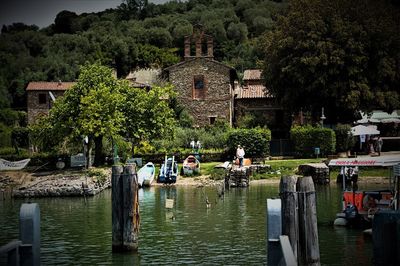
[308, 230]
[290, 218]
[287, 251]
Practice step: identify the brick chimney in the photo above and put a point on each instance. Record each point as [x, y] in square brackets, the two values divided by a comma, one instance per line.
[199, 39]
[198, 46]
[187, 47]
[210, 47]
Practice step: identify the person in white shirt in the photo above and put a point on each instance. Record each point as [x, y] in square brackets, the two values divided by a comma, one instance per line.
[240, 155]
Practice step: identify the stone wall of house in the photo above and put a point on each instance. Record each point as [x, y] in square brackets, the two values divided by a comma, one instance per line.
[218, 101]
[36, 109]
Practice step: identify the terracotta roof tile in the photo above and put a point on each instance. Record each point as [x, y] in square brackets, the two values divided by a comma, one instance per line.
[253, 91]
[49, 86]
[252, 74]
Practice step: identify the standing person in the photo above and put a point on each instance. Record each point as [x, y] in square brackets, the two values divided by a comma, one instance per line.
[379, 143]
[240, 155]
[371, 146]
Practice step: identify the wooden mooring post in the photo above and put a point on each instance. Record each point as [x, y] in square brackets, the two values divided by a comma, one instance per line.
[288, 192]
[386, 238]
[125, 208]
[308, 230]
[299, 223]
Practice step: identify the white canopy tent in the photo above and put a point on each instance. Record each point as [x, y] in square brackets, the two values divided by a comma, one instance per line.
[378, 116]
[363, 130]
[385, 160]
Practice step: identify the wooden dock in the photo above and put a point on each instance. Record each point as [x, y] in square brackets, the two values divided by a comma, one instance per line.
[238, 177]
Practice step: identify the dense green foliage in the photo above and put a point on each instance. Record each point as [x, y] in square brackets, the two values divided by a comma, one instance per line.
[344, 139]
[5, 135]
[255, 141]
[99, 106]
[20, 137]
[306, 138]
[136, 34]
[211, 138]
[341, 55]
[148, 115]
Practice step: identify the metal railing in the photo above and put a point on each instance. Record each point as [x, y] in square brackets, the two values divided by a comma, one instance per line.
[26, 250]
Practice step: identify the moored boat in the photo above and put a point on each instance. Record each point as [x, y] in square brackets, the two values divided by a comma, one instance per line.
[168, 171]
[359, 206]
[146, 174]
[191, 165]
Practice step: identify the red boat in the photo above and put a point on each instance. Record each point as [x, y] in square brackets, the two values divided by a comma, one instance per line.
[191, 165]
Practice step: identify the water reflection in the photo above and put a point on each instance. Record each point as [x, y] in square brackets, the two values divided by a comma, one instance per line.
[230, 231]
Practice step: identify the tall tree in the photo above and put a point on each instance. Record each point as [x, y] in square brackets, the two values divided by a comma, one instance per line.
[91, 108]
[341, 55]
[148, 115]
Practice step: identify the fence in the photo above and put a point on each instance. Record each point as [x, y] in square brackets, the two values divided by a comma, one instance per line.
[281, 147]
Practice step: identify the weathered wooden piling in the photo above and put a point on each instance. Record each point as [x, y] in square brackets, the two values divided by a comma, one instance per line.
[308, 253]
[290, 218]
[125, 208]
[117, 208]
[386, 237]
[238, 177]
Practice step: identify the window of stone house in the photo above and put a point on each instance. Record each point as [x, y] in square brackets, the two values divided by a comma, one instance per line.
[212, 119]
[42, 98]
[199, 87]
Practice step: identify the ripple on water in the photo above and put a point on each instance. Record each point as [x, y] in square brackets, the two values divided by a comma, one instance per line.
[232, 231]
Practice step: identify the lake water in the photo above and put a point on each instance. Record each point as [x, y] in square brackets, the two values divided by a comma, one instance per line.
[231, 231]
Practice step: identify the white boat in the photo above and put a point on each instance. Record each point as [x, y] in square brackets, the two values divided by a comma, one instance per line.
[146, 174]
[8, 166]
[168, 171]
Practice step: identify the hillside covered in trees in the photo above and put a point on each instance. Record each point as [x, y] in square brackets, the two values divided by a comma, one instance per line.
[136, 34]
[341, 55]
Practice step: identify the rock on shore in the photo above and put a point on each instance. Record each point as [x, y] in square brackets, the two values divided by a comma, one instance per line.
[65, 184]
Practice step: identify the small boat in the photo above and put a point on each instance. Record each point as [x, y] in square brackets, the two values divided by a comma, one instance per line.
[146, 174]
[359, 206]
[168, 171]
[191, 165]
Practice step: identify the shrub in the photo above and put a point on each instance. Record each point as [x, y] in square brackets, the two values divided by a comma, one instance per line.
[306, 138]
[98, 174]
[218, 174]
[10, 151]
[11, 118]
[210, 138]
[20, 136]
[255, 141]
[344, 139]
[8, 117]
[5, 136]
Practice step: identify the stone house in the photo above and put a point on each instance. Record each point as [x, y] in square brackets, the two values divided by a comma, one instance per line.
[254, 98]
[41, 95]
[204, 86]
[144, 78]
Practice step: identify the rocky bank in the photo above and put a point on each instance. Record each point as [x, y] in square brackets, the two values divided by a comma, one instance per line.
[52, 184]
